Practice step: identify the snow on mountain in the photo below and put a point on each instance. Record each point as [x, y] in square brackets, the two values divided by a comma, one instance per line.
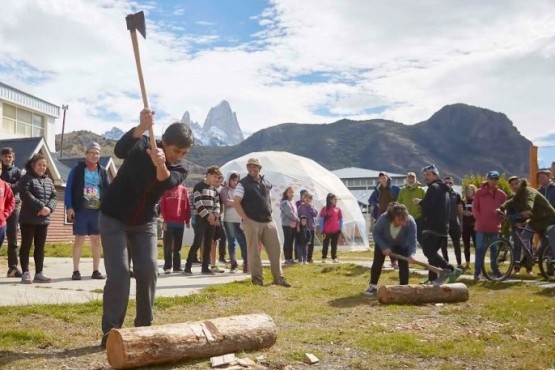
[220, 128]
[113, 134]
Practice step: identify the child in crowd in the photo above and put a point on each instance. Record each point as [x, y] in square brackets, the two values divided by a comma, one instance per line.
[331, 223]
[307, 210]
[302, 239]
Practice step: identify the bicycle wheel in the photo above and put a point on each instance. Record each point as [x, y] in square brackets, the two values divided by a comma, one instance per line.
[546, 263]
[498, 260]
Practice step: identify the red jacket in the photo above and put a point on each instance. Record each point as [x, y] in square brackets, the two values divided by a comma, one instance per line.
[7, 202]
[485, 203]
[174, 206]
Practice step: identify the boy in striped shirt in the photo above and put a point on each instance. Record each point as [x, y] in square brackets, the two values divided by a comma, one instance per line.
[207, 205]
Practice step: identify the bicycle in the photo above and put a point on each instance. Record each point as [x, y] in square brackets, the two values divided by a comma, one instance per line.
[499, 258]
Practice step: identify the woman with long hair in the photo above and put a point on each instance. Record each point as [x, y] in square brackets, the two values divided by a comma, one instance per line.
[331, 223]
[232, 223]
[394, 231]
[38, 201]
[289, 221]
[468, 223]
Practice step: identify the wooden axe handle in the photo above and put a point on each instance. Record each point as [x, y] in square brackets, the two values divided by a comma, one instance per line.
[135, 43]
[429, 267]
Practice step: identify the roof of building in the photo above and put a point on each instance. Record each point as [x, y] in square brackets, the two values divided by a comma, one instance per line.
[16, 96]
[24, 148]
[357, 173]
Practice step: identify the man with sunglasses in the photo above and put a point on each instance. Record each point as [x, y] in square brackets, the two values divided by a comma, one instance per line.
[435, 225]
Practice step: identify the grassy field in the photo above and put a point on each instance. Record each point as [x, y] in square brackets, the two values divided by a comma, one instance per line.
[502, 326]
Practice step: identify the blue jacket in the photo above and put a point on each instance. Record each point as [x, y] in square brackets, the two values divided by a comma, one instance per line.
[405, 241]
[373, 201]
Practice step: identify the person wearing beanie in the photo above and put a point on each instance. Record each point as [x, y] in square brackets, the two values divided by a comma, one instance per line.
[435, 225]
[86, 185]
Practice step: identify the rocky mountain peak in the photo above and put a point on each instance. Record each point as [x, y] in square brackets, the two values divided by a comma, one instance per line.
[221, 127]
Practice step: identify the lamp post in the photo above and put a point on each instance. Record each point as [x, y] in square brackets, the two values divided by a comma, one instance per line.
[64, 108]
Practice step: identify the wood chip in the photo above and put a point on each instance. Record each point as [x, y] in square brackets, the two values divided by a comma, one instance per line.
[221, 361]
[246, 362]
[311, 358]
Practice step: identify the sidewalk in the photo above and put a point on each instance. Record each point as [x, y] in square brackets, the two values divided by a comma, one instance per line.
[64, 290]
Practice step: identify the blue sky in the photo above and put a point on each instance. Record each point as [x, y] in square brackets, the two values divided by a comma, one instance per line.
[281, 61]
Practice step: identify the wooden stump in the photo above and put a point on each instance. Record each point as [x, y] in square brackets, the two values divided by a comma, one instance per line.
[416, 294]
[133, 347]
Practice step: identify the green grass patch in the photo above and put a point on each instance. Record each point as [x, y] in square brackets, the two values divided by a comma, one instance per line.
[324, 313]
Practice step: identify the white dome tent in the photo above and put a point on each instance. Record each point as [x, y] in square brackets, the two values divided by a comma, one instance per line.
[284, 169]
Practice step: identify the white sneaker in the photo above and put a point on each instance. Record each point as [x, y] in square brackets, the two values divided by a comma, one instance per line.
[167, 271]
[335, 260]
[26, 278]
[41, 278]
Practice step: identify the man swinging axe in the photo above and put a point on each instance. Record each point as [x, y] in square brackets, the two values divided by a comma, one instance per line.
[128, 220]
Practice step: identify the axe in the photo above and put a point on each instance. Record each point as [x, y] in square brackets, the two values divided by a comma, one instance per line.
[136, 22]
[437, 270]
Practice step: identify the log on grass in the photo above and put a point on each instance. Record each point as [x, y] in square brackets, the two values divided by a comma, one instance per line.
[148, 345]
[416, 294]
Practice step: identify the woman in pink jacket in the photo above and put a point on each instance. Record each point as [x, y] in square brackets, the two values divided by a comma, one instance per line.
[488, 223]
[331, 223]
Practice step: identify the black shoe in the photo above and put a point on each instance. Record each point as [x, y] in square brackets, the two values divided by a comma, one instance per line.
[76, 275]
[196, 262]
[178, 269]
[222, 260]
[14, 272]
[97, 275]
[208, 272]
[282, 282]
[104, 340]
[257, 281]
[187, 272]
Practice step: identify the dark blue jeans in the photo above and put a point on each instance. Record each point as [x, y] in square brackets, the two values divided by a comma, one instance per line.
[235, 234]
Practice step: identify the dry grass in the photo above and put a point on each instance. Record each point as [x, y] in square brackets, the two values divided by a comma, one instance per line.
[501, 326]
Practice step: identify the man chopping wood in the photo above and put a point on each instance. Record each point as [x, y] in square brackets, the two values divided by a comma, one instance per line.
[128, 218]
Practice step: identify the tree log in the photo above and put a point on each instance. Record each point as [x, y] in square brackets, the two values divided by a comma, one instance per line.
[133, 347]
[416, 294]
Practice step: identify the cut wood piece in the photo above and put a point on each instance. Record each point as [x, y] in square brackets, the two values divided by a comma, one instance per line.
[220, 361]
[311, 358]
[148, 345]
[416, 294]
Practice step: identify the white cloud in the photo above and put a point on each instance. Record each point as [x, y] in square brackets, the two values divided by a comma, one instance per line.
[414, 58]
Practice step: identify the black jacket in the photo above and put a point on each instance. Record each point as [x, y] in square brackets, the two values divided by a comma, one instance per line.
[12, 175]
[78, 183]
[436, 209]
[36, 192]
[132, 196]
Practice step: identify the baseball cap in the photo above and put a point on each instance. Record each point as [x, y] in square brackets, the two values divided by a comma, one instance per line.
[493, 175]
[411, 174]
[382, 173]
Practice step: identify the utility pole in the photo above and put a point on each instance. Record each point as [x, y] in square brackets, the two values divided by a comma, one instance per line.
[64, 108]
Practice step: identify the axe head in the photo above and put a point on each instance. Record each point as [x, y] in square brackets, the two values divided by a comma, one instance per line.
[136, 22]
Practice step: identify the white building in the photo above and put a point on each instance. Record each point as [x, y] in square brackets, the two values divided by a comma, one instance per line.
[362, 182]
[24, 115]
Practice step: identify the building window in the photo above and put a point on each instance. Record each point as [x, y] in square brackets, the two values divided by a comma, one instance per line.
[21, 121]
